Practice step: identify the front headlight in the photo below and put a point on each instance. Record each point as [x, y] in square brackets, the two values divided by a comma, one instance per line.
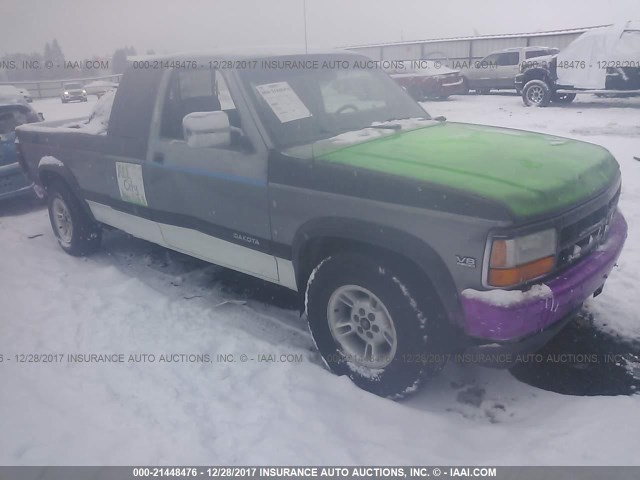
[84, 92]
[66, 93]
[517, 260]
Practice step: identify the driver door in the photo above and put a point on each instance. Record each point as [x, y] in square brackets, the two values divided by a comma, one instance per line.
[211, 203]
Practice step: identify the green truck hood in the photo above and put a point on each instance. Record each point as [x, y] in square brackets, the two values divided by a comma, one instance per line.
[529, 173]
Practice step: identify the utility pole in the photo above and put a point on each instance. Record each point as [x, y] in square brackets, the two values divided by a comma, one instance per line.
[304, 8]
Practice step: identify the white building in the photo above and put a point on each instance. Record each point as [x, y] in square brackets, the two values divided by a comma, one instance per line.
[466, 49]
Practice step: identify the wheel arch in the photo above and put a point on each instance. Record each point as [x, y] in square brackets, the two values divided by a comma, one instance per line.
[537, 74]
[320, 238]
[50, 173]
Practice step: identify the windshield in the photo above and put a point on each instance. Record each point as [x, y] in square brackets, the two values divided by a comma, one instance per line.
[300, 106]
[72, 86]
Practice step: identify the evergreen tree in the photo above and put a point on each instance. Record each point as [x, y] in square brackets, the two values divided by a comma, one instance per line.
[119, 59]
[57, 57]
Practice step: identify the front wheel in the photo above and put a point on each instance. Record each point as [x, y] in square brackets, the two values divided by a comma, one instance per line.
[374, 324]
[536, 93]
[77, 233]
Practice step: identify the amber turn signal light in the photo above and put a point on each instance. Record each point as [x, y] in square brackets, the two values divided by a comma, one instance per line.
[506, 277]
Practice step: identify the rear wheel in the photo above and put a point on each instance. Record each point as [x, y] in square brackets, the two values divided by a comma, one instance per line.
[536, 93]
[374, 324]
[77, 233]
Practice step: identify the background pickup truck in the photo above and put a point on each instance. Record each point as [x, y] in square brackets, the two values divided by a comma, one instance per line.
[604, 61]
[407, 239]
[499, 69]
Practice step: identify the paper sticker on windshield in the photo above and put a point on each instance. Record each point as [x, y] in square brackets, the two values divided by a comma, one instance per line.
[284, 102]
[131, 183]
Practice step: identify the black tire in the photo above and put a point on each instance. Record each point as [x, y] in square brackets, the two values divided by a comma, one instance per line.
[416, 316]
[63, 101]
[536, 93]
[563, 98]
[85, 235]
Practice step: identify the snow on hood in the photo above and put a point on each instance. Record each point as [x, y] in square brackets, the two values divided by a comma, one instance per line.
[374, 131]
[616, 43]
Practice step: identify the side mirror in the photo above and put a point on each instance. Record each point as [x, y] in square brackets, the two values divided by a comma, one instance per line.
[41, 116]
[207, 129]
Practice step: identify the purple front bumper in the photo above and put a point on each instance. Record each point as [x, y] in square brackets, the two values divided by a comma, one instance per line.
[511, 321]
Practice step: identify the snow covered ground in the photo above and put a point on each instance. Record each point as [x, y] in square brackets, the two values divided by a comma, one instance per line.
[136, 298]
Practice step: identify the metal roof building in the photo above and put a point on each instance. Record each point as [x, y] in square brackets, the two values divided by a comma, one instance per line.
[467, 48]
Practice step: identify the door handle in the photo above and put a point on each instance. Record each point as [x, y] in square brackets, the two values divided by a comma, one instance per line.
[158, 157]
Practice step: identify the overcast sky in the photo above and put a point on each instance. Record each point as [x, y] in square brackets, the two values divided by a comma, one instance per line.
[97, 27]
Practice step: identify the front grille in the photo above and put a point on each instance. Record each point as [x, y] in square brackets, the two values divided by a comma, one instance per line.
[585, 235]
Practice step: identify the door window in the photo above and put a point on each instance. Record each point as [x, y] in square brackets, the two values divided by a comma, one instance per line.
[508, 59]
[195, 91]
[489, 62]
[541, 53]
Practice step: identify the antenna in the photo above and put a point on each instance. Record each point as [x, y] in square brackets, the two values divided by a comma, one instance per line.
[304, 9]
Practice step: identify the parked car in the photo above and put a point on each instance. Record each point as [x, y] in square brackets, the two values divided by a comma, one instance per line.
[407, 239]
[426, 79]
[12, 91]
[499, 69]
[604, 61]
[25, 94]
[99, 87]
[9, 91]
[13, 181]
[73, 91]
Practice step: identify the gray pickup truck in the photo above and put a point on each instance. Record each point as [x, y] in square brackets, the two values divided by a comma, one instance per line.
[409, 239]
